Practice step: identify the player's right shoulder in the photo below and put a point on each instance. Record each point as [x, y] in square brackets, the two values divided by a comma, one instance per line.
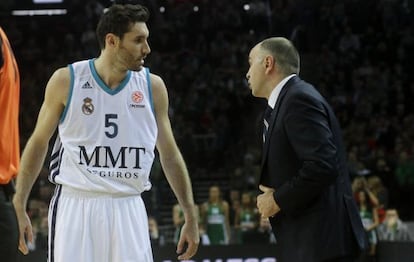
[61, 75]
[59, 84]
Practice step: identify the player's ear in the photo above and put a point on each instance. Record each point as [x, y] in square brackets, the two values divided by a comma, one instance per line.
[111, 40]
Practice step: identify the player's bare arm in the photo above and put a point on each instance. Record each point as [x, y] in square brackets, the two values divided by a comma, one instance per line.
[36, 148]
[177, 219]
[175, 169]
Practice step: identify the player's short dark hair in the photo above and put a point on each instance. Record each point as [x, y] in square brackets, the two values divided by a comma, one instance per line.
[118, 19]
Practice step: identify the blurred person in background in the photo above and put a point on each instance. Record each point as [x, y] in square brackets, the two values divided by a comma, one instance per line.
[215, 217]
[377, 188]
[359, 183]
[370, 220]
[157, 238]
[404, 174]
[246, 219]
[393, 228]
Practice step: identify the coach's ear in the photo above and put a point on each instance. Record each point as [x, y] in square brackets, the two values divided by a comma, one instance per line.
[269, 63]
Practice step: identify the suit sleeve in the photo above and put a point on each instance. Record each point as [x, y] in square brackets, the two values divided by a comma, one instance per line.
[309, 133]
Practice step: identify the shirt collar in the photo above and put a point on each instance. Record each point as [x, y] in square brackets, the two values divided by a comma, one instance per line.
[276, 91]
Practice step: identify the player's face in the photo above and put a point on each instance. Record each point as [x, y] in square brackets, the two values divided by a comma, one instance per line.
[246, 199]
[256, 74]
[134, 47]
[214, 193]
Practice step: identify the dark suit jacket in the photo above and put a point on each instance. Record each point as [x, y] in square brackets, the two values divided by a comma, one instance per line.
[304, 160]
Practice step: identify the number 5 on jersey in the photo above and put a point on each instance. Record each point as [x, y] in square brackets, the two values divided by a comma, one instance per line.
[111, 125]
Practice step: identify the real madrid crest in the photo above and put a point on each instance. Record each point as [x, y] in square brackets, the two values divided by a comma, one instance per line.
[87, 107]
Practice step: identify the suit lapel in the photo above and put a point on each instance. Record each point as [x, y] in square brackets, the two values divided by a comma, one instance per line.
[273, 116]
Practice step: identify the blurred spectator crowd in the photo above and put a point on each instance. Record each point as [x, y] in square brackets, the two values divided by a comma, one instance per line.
[358, 53]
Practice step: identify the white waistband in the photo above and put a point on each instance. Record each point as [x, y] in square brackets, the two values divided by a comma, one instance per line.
[70, 191]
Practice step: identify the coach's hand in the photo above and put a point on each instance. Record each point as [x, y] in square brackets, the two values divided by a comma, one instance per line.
[190, 236]
[266, 203]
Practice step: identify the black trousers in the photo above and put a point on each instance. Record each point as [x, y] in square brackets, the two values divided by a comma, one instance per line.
[9, 230]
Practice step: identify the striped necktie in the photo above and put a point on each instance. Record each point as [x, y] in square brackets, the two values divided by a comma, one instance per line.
[266, 120]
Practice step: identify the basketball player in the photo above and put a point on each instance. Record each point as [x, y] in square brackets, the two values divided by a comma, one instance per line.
[9, 148]
[111, 112]
[215, 215]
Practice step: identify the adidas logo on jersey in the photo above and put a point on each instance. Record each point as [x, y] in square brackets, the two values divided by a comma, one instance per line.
[86, 85]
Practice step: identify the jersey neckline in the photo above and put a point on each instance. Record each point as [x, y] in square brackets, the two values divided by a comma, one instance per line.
[102, 84]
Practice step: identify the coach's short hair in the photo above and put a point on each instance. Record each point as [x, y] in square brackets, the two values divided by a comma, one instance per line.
[284, 52]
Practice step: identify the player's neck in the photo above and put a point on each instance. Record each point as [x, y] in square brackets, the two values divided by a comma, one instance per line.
[109, 73]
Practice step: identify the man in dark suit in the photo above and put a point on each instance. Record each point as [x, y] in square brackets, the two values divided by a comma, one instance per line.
[305, 185]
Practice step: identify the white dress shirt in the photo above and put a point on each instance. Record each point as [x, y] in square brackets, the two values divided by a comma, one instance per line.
[276, 91]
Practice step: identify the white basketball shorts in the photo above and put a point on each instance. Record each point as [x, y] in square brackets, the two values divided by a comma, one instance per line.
[95, 227]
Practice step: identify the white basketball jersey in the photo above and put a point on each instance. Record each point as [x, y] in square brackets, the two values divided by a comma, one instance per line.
[106, 137]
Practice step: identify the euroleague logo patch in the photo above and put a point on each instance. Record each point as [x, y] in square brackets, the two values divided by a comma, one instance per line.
[137, 97]
[87, 107]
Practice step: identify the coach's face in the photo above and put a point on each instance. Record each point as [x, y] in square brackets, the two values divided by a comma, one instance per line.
[257, 71]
